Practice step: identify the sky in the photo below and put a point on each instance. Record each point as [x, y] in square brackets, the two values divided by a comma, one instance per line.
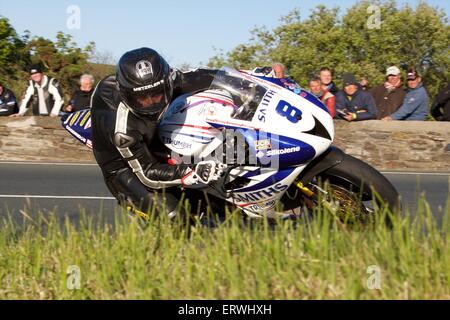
[182, 31]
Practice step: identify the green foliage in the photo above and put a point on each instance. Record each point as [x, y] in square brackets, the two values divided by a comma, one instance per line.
[12, 47]
[407, 36]
[318, 259]
[14, 56]
[61, 59]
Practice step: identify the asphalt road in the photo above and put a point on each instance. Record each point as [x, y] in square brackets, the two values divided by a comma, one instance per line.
[69, 189]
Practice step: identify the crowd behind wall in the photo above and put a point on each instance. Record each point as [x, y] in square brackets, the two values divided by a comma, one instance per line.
[401, 97]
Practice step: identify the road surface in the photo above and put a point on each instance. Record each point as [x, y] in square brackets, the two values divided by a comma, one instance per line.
[69, 189]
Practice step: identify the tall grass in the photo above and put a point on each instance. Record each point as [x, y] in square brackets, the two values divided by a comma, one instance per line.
[317, 259]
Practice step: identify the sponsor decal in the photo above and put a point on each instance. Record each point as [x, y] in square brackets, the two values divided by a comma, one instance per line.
[278, 152]
[261, 194]
[150, 86]
[260, 154]
[283, 151]
[261, 206]
[262, 115]
[178, 144]
[263, 144]
[264, 104]
[144, 69]
[267, 98]
[123, 140]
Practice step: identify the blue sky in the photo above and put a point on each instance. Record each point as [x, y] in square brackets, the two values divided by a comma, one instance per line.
[183, 31]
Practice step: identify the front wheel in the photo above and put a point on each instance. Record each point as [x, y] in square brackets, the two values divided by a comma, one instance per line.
[352, 189]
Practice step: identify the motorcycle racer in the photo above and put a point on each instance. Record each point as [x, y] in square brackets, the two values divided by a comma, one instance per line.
[126, 108]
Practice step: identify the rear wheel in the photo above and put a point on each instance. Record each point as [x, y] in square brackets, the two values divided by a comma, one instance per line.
[353, 190]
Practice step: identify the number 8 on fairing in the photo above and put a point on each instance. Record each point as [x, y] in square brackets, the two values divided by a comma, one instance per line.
[287, 110]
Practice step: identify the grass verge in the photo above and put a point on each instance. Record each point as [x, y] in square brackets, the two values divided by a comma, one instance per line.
[317, 259]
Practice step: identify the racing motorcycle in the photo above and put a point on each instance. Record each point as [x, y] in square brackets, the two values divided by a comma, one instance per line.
[276, 140]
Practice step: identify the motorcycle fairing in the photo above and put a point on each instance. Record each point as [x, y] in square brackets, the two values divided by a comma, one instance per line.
[79, 126]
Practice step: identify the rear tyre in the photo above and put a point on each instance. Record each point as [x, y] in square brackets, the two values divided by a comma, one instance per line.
[354, 189]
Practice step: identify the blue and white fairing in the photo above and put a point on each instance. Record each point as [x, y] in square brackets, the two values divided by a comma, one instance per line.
[281, 130]
[79, 125]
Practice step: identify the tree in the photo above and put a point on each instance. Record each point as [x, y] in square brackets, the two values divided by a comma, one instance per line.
[13, 53]
[62, 59]
[406, 37]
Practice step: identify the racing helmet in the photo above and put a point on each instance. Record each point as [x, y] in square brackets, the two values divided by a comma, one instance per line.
[145, 82]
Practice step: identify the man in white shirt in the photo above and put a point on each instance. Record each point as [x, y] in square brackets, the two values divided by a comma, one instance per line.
[43, 95]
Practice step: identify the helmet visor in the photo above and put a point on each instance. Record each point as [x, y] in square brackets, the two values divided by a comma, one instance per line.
[149, 101]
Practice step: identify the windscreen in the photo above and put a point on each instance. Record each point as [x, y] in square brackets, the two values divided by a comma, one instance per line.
[246, 94]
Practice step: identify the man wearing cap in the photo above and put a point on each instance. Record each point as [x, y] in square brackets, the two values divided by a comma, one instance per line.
[8, 104]
[43, 95]
[415, 103]
[353, 103]
[389, 96]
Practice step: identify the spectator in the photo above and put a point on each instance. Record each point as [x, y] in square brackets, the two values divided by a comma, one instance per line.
[81, 99]
[8, 103]
[389, 96]
[415, 103]
[327, 80]
[278, 70]
[43, 94]
[354, 104]
[328, 99]
[364, 83]
[440, 109]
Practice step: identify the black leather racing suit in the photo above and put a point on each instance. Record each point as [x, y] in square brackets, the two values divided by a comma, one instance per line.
[123, 143]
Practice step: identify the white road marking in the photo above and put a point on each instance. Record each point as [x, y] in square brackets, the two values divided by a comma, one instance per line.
[54, 197]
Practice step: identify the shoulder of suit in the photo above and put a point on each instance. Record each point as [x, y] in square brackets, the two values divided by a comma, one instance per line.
[54, 82]
[107, 86]
[109, 81]
[106, 94]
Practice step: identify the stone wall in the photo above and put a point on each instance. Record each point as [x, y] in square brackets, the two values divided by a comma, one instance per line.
[395, 145]
[39, 139]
